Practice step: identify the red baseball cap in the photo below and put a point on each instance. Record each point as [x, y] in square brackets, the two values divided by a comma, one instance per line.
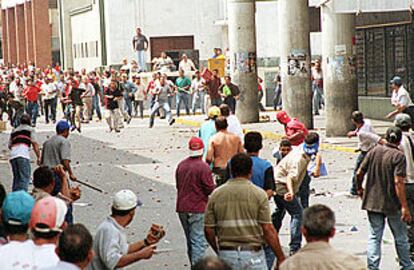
[48, 215]
[282, 117]
[196, 147]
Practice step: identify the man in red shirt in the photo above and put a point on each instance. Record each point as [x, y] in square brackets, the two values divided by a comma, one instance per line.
[31, 93]
[194, 185]
[295, 131]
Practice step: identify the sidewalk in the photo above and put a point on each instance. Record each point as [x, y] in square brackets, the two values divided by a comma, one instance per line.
[274, 131]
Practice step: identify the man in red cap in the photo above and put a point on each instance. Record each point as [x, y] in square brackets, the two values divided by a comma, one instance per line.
[194, 184]
[295, 131]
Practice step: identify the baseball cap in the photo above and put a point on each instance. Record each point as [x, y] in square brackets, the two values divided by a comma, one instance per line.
[125, 200]
[396, 80]
[17, 208]
[196, 147]
[214, 112]
[48, 215]
[402, 120]
[282, 117]
[62, 125]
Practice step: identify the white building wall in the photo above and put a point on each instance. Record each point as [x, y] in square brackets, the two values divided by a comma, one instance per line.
[86, 29]
[267, 29]
[162, 18]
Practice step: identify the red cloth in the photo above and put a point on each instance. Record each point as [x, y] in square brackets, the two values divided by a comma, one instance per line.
[194, 183]
[31, 93]
[293, 127]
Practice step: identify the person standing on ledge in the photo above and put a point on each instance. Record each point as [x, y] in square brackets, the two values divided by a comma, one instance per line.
[140, 45]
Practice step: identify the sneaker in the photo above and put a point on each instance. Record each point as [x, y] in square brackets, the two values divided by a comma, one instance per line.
[117, 130]
[172, 122]
[73, 128]
[129, 120]
[78, 129]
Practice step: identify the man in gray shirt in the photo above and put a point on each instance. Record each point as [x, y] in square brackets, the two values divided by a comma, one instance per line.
[140, 45]
[57, 151]
[162, 90]
[110, 244]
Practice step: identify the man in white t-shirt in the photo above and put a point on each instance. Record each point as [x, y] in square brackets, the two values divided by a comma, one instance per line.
[367, 140]
[400, 99]
[186, 64]
[198, 90]
[49, 91]
[403, 121]
[46, 224]
[233, 122]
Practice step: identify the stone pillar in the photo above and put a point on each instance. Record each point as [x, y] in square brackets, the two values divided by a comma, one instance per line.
[42, 33]
[340, 84]
[20, 34]
[5, 36]
[295, 59]
[242, 44]
[11, 33]
[29, 31]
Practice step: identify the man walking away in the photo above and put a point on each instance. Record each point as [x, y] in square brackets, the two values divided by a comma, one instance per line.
[213, 85]
[140, 96]
[222, 147]
[22, 138]
[289, 174]
[208, 128]
[112, 95]
[238, 223]
[74, 249]
[230, 92]
[232, 120]
[129, 92]
[262, 176]
[194, 184]
[75, 96]
[384, 198]
[367, 140]
[403, 121]
[50, 99]
[140, 45]
[318, 228]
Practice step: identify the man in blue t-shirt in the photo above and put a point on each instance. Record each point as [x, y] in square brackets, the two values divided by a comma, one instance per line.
[262, 176]
[208, 128]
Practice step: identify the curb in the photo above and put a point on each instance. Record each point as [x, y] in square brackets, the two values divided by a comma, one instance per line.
[272, 136]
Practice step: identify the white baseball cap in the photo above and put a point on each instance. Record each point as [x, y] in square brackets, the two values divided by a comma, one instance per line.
[125, 200]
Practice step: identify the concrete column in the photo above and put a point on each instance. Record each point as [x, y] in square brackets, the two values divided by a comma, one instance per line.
[20, 34]
[5, 36]
[295, 59]
[340, 84]
[11, 33]
[42, 33]
[28, 31]
[242, 44]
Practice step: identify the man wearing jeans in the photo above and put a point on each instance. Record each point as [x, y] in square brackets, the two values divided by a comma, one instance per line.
[403, 121]
[237, 221]
[31, 93]
[289, 175]
[140, 45]
[21, 139]
[161, 92]
[384, 198]
[198, 87]
[194, 184]
[183, 85]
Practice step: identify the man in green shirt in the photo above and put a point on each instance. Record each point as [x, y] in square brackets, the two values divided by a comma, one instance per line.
[183, 85]
[237, 220]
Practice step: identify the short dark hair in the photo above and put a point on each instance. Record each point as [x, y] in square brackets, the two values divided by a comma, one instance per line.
[319, 221]
[221, 123]
[224, 110]
[393, 135]
[285, 143]
[253, 142]
[312, 138]
[44, 235]
[42, 177]
[227, 77]
[358, 117]
[75, 242]
[211, 263]
[25, 119]
[10, 229]
[120, 213]
[241, 165]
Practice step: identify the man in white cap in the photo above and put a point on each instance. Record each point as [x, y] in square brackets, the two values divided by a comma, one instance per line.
[111, 247]
[194, 184]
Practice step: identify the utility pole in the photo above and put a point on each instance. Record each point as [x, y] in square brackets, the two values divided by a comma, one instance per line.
[295, 59]
[242, 43]
[340, 84]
